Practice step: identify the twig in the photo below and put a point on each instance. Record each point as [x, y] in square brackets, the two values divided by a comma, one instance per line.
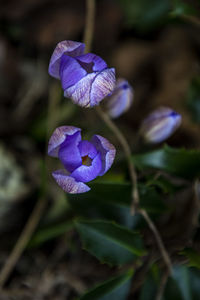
[104, 116]
[89, 26]
[37, 211]
[135, 195]
[192, 19]
[22, 241]
[88, 35]
[162, 285]
[159, 241]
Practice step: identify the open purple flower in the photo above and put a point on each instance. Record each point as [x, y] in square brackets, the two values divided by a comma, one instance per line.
[83, 160]
[85, 78]
[160, 124]
[120, 100]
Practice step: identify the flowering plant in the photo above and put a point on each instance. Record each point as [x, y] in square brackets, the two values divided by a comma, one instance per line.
[87, 80]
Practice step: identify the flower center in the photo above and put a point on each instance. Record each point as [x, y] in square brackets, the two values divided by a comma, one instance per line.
[87, 66]
[86, 161]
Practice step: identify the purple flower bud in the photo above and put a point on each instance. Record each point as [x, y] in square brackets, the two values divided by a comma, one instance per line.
[65, 47]
[160, 124]
[83, 160]
[121, 98]
[85, 78]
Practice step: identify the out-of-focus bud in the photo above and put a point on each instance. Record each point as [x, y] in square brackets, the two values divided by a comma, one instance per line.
[120, 100]
[160, 125]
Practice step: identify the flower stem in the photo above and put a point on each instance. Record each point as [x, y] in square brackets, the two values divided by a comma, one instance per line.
[89, 26]
[135, 195]
[162, 286]
[88, 35]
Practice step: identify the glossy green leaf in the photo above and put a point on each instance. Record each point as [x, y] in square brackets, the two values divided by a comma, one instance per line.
[180, 162]
[194, 283]
[181, 278]
[110, 242]
[50, 232]
[164, 185]
[149, 288]
[114, 288]
[193, 256]
[112, 201]
[183, 284]
[177, 287]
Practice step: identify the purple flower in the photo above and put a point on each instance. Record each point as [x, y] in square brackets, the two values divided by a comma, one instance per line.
[85, 78]
[83, 160]
[160, 124]
[121, 98]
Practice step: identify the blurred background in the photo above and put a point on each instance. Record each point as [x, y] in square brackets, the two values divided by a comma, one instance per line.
[154, 44]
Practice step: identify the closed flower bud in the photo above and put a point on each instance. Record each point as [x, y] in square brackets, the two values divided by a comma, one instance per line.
[120, 100]
[85, 78]
[160, 125]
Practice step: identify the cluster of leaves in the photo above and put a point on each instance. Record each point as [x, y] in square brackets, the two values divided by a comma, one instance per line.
[111, 234]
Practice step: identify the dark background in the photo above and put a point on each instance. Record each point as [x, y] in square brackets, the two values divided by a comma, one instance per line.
[154, 44]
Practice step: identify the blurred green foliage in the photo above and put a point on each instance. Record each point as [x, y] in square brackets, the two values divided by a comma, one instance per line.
[181, 162]
[145, 14]
[193, 99]
[114, 288]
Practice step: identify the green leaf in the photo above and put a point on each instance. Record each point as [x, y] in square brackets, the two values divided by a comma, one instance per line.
[181, 277]
[180, 162]
[110, 242]
[182, 8]
[193, 256]
[112, 201]
[114, 288]
[48, 233]
[194, 283]
[148, 290]
[164, 185]
[177, 287]
[182, 285]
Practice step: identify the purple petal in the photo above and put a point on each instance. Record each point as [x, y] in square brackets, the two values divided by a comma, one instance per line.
[95, 62]
[80, 92]
[102, 86]
[88, 173]
[69, 184]
[69, 153]
[121, 99]
[93, 88]
[70, 71]
[58, 137]
[107, 151]
[69, 48]
[160, 124]
[86, 148]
